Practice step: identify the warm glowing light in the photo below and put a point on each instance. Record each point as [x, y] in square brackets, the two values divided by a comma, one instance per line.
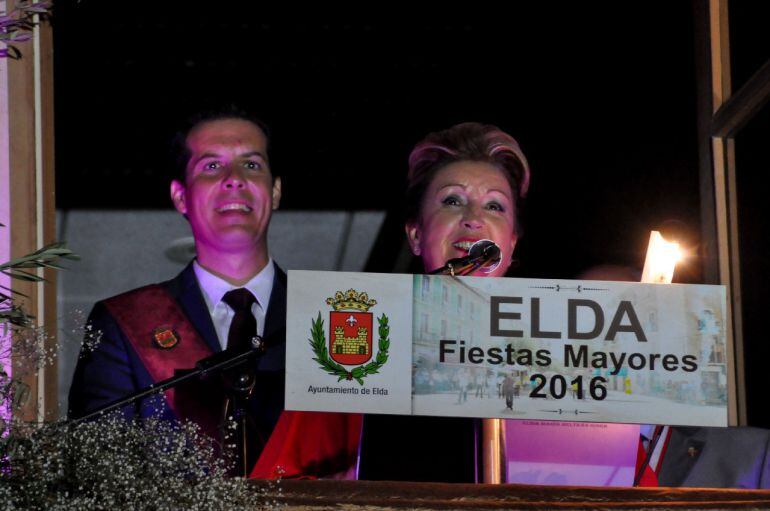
[662, 257]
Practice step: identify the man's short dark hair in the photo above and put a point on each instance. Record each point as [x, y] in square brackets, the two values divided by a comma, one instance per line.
[180, 153]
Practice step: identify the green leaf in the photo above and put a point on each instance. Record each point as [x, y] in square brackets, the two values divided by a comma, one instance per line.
[21, 275]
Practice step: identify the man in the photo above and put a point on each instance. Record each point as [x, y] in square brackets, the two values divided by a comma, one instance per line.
[227, 192]
[735, 457]
[507, 389]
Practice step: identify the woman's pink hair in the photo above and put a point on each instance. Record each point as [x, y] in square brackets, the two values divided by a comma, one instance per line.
[469, 141]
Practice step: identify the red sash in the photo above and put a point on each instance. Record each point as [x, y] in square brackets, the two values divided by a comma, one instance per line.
[309, 445]
[140, 313]
[303, 444]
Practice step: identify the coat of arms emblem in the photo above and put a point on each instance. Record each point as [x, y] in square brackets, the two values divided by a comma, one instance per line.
[350, 337]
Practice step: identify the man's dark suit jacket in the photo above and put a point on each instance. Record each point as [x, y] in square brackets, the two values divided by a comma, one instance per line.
[113, 370]
[717, 458]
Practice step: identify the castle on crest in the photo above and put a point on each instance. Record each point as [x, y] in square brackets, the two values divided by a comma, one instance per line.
[350, 345]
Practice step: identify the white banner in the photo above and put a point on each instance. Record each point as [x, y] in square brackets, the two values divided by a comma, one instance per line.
[585, 351]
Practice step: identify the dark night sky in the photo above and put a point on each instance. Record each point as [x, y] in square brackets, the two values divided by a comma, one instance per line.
[600, 96]
[601, 100]
[750, 48]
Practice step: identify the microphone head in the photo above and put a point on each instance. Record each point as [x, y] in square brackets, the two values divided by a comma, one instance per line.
[488, 252]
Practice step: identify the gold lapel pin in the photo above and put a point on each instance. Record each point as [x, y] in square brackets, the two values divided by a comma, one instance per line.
[165, 337]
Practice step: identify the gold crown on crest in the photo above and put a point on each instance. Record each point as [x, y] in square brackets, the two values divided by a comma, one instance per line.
[351, 300]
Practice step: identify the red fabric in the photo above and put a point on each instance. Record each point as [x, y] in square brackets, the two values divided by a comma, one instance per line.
[648, 479]
[309, 445]
[665, 440]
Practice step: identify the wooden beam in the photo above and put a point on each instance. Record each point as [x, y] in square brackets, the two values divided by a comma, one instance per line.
[704, 112]
[21, 131]
[734, 113]
[723, 151]
[47, 195]
[32, 208]
[719, 28]
[729, 263]
[327, 494]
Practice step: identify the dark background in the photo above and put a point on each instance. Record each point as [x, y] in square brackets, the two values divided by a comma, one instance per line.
[601, 97]
[601, 100]
[750, 48]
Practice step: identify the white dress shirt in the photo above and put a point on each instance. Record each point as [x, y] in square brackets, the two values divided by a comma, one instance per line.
[214, 288]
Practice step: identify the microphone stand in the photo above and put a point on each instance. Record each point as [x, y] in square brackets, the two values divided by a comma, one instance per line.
[239, 389]
[480, 254]
[239, 384]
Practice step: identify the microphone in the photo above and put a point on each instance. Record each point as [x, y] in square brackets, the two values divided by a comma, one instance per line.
[483, 254]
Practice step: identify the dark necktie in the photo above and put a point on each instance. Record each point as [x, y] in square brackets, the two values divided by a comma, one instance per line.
[243, 328]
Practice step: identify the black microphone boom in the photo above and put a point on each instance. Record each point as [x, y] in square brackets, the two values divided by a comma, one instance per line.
[483, 253]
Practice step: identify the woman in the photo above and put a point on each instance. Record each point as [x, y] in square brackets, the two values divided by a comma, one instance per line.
[465, 184]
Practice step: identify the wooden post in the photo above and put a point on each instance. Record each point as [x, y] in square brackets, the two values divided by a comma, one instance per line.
[726, 202]
[26, 125]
